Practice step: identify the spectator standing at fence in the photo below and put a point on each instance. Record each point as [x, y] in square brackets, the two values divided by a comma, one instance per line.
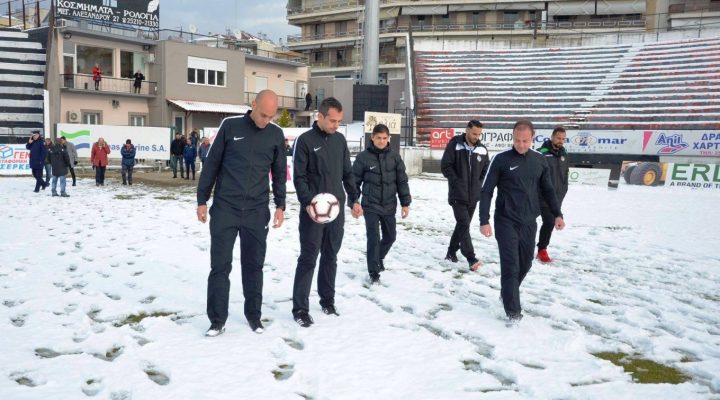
[203, 151]
[464, 164]
[97, 76]
[38, 154]
[72, 154]
[139, 77]
[308, 101]
[380, 178]
[556, 156]
[189, 154]
[195, 137]
[99, 160]
[519, 175]
[176, 155]
[48, 165]
[128, 162]
[60, 161]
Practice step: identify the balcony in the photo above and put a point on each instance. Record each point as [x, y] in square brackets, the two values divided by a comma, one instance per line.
[85, 83]
[324, 36]
[291, 103]
[324, 6]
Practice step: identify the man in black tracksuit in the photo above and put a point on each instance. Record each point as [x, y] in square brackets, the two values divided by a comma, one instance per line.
[464, 164]
[246, 149]
[380, 177]
[556, 156]
[321, 163]
[176, 154]
[519, 174]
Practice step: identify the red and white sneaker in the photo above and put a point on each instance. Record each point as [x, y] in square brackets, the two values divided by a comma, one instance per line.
[543, 256]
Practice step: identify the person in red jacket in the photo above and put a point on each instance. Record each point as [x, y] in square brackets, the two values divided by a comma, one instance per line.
[99, 159]
[97, 76]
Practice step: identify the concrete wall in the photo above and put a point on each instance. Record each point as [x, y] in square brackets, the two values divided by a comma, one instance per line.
[341, 89]
[79, 102]
[412, 157]
[276, 74]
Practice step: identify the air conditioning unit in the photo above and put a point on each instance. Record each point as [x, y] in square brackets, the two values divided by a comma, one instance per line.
[150, 58]
[73, 116]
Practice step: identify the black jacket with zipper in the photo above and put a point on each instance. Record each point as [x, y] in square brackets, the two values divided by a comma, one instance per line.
[518, 178]
[464, 166]
[380, 177]
[321, 164]
[559, 168]
[239, 163]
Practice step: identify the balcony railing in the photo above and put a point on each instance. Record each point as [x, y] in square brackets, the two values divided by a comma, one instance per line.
[325, 6]
[107, 84]
[682, 8]
[519, 25]
[291, 103]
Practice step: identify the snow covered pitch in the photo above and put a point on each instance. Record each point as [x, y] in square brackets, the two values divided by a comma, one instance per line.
[103, 295]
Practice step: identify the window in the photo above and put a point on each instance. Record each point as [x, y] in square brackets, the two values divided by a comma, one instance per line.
[137, 120]
[131, 62]
[260, 84]
[289, 89]
[318, 29]
[205, 71]
[317, 56]
[91, 117]
[88, 56]
[509, 17]
[341, 28]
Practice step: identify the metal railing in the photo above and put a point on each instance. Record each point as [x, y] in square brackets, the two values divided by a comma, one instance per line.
[23, 14]
[519, 25]
[107, 84]
[324, 6]
[291, 103]
[681, 8]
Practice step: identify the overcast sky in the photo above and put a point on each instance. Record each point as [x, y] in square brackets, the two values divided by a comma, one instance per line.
[252, 16]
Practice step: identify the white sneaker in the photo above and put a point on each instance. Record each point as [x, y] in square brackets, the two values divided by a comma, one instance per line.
[215, 330]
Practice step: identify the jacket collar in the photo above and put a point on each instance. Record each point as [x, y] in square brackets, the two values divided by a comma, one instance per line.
[371, 148]
[317, 129]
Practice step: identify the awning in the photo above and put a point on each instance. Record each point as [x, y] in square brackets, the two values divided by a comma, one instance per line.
[201, 106]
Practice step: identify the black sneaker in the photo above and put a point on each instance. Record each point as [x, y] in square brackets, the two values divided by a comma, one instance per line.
[382, 265]
[216, 329]
[330, 310]
[64, 195]
[514, 319]
[303, 318]
[375, 279]
[256, 326]
[451, 257]
[55, 195]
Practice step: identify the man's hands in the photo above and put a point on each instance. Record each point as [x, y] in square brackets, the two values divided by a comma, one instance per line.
[559, 223]
[486, 230]
[202, 213]
[405, 212]
[357, 211]
[278, 218]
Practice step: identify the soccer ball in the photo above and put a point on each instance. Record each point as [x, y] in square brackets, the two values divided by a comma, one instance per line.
[324, 208]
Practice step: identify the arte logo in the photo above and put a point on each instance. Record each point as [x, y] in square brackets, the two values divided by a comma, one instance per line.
[6, 152]
[81, 139]
[671, 144]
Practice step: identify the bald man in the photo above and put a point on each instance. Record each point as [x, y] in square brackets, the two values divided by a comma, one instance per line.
[245, 150]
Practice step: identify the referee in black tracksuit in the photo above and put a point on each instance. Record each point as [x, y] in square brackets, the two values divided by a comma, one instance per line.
[464, 164]
[244, 152]
[519, 174]
[321, 164]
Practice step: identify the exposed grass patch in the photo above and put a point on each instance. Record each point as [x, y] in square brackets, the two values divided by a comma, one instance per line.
[644, 370]
[137, 318]
[166, 197]
[127, 196]
[595, 301]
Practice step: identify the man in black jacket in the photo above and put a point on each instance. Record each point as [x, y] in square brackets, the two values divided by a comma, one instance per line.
[380, 177]
[321, 163]
[519, 174]
[246, 149]
[464, 164]
[60, 160]
[556, 157]
[176, 155]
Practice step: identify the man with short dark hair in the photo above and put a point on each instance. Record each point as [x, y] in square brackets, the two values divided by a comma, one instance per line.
[128, 162]
[246, 149]
[464, 164]
[519, 175]
[60, 161]
[381, 179]
[321, 164]
[176, 155]
[556, 156]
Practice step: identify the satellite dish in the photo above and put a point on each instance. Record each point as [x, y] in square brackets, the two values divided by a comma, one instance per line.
[192, 28]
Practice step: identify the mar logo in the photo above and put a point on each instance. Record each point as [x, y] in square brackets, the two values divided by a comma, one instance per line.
[5, 152]
[81, 139]
[671, 144]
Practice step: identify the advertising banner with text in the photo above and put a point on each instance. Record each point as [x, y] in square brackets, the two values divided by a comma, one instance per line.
[150, 143]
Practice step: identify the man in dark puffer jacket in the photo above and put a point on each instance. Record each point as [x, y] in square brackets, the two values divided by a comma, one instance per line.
[464, 164]
[380, 177]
